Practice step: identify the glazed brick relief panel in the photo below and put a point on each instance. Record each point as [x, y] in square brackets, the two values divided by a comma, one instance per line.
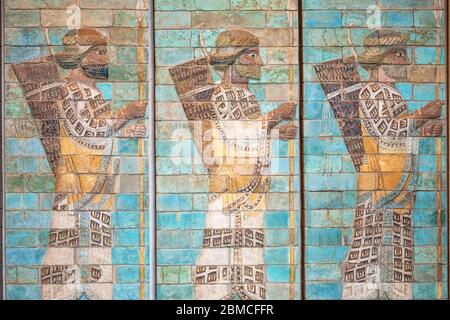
[75, 144]
[375, 149]
[227, 149]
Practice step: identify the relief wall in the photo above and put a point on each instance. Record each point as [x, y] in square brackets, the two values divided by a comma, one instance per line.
[299, 150]
[375, 149]
[75, 138]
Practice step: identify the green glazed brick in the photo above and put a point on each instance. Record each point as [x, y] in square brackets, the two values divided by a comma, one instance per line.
[171, 274]
[127, 18]
[14, 183]
[218, 19]
[22, 18]
[259, 4]
[165, 5]
[128, 55]
[126, 91]
[172, 19]
[110, 4]
[97, 18]
[185, 274]
[124, 73]
[175, 38]
[212, 5]
[408, 4]
[40, 183]
[279, 20]
[38, 4]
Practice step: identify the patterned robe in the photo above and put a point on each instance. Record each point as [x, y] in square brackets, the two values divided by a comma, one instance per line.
[379, 264]
[236, 151]
[78, 256]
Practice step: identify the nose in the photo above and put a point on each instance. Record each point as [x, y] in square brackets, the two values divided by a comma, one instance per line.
[259, 61]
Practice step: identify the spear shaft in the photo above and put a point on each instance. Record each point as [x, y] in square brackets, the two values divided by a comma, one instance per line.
[140, 52]
[290, 16]
[437, 15]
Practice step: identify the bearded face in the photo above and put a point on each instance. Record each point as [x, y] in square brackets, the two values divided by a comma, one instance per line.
[95, 64]
[396, 65]
[248, 65]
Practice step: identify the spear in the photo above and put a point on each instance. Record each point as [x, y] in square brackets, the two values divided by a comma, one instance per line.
[290, 15]
[437, 16]
[140, 52]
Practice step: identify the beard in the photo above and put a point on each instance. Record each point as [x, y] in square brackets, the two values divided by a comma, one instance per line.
[95, 71]
[248, 71]
[397, 72]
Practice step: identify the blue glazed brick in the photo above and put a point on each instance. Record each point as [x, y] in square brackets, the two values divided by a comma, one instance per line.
[426, 19]
[125, 255]
[322, 236]
[425, 55]
[127, 202]
[322, 19]
[176, 257]
[424, 91]
[278, 273]
[400, 19]
[325, 254]
[172, 38]
[23, 292]
[126, 291]
[22, 238]
[405, 89]
[425, 236]
[276, 219]
[425, 200]
[425, 254]
[31, 219]
[21, 54]
[173, 56]
[33, 147]
[126, 237]
[168, 166]
[277, 237]
[24, 37]
[24, 256]
[127, 146]
[125, 219]
[174, 202]
[174, 239]
[276, 256]
[129, 165]
[129, 274]
[17, 201]
[424, 291]
[166, 93]
[106, 89]
[175, 292]
[28, 275]
[322, 291]
[192, 220]
[323, 272]
[13, 147]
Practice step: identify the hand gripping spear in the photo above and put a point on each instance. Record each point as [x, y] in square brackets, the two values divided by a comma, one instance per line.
[140, 52]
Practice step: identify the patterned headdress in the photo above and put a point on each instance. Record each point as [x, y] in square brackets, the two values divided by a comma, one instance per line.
[230, 45]
[378, 44]
[77, 43]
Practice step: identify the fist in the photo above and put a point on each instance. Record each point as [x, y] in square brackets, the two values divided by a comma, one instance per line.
[432, 110]
[135, 110]
[286, 111]
[432, 129]
[287, 132]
